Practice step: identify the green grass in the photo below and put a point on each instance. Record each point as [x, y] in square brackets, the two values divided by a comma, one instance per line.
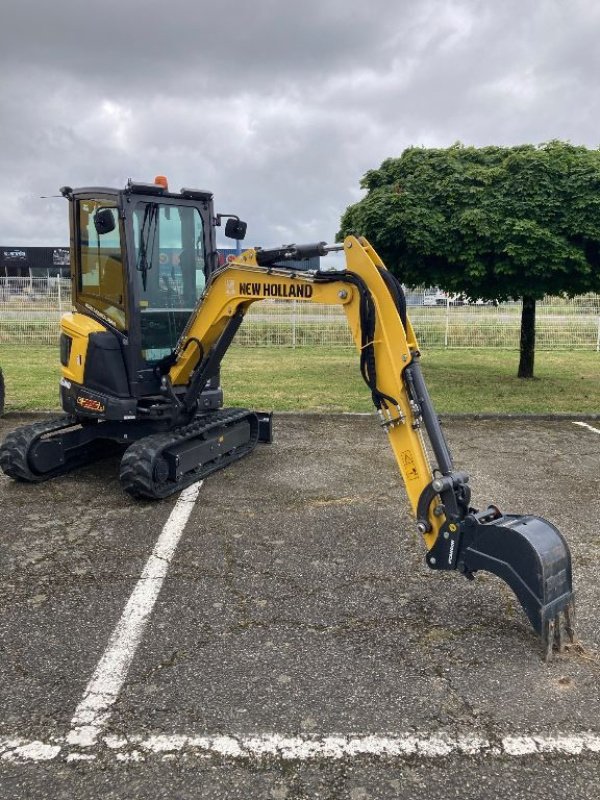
[31, 375]
[328, 379]
[459, 381]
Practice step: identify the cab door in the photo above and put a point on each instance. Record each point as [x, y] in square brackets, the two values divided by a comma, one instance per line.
[100, 284]
[168, 274]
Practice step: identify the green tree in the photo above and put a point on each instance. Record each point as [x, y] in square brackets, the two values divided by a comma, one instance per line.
[495, 223]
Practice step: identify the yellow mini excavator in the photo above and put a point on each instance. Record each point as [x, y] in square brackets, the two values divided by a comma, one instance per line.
[155, 314]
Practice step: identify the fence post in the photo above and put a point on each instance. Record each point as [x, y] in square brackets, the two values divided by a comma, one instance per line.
[598, 337]
[59, 297]
[447, 322]
[294, 324]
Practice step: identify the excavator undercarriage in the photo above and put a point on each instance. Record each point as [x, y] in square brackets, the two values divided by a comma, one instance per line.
[153, 465]
[140, 376]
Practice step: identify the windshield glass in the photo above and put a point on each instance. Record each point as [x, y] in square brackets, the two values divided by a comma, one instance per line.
[100, 282]
[169, 261]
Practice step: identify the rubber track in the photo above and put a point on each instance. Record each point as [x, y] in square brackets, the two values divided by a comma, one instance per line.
[17, 444]
[137, 465]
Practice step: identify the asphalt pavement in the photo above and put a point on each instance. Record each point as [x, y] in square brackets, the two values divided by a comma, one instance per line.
[296, 645]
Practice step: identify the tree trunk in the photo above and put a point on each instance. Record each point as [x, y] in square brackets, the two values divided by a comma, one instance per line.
[527, 338]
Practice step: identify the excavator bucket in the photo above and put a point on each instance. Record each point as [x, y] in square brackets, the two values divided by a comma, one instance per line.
[529, 553]
[532, 557]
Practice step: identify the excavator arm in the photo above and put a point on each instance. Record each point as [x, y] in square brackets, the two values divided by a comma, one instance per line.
[526, 551]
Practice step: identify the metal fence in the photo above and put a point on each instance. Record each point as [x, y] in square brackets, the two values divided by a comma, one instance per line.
[30, 310]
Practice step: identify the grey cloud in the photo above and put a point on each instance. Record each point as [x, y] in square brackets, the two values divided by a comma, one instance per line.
[185, 43]
[279, 108]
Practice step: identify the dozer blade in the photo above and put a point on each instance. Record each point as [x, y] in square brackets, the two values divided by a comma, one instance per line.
[533, 558]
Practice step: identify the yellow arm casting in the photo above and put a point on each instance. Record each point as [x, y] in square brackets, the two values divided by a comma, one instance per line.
[243, 282]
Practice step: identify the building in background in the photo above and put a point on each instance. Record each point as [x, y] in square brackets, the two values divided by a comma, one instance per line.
[34, 262]
[54, 262]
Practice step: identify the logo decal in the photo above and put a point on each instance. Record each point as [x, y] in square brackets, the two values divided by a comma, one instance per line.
[90, 405]
[249, 289]
[230, 288]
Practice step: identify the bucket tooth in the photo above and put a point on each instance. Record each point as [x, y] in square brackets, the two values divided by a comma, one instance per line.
[548, 638]
[570, 621]
[553, 635]
[558, 634]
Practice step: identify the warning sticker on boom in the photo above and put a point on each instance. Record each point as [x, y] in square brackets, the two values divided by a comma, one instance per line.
[408, 462]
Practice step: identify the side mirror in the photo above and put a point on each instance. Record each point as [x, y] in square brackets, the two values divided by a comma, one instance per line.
[235, 229]
[104, 221]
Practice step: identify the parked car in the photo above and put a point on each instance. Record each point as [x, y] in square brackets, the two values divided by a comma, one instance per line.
[434, 298]
[439, 298]
[480, 302]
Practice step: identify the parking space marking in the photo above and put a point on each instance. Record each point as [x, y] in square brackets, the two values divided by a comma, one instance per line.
[94, 710]
[303, 748]
[589, 427]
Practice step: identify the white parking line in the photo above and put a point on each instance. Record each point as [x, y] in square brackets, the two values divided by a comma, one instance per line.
[94, 710]
[589, 427]
[303, 748]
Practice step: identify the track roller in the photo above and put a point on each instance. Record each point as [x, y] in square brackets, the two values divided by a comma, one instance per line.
[43, 450]
[163, 463]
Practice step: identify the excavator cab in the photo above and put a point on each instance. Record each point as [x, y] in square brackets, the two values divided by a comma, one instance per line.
[140, 260]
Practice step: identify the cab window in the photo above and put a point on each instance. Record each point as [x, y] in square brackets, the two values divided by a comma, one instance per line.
[100, 277]
[169, 272]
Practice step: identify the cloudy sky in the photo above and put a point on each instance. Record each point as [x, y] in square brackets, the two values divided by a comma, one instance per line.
[278, 107]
